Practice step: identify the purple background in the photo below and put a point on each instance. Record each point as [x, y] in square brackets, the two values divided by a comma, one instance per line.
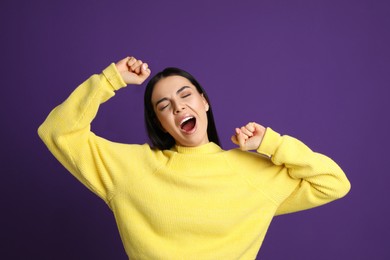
[316, 70]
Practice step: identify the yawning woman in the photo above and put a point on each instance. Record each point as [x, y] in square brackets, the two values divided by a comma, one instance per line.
[182, 196]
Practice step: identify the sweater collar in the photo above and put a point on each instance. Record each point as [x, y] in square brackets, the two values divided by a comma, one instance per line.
[202, 149]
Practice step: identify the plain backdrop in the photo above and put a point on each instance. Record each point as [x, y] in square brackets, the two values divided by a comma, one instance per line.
[315, 70]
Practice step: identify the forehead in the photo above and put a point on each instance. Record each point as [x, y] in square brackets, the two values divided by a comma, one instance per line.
[169, 86]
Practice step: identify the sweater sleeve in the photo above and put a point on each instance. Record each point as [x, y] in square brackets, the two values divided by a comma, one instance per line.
[66, 131]
[315, 178]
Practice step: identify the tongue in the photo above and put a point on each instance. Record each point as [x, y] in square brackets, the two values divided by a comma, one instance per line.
[189, 125]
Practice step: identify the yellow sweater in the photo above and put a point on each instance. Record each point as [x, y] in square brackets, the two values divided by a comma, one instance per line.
[187, 203]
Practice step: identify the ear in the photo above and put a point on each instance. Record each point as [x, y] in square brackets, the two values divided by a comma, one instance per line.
[206, 104]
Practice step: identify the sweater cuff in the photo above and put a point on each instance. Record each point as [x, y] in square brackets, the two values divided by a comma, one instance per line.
[270, 143]
[112, 75]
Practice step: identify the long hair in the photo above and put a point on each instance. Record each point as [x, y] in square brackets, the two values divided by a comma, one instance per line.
[159, 138]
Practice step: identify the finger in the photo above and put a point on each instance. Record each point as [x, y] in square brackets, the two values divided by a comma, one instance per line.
[144, 67]
[241, 139]
[251, 127]
[131, 61]
[145, 71]
[136, 67]
[259, 130]
[242, 134]
[246, 131]
[260, 127]
[123, 61]
[122, 64]
[234, 140]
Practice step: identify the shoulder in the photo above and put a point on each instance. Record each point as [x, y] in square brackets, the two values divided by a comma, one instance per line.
[143, 152]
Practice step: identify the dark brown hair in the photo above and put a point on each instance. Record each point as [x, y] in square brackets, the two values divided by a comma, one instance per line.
[159, 138]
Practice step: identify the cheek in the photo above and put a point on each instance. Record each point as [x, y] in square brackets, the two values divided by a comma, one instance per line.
[201, 106]
[164, 121]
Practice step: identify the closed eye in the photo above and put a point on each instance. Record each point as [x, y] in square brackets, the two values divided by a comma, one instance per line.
[163, 107]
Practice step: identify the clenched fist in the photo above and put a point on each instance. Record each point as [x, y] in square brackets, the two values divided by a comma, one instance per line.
[133, 71]
[249, 137]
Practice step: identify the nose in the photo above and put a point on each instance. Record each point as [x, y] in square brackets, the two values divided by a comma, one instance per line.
[178, 107]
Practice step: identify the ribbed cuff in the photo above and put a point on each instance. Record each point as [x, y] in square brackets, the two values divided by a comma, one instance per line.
[270, 143]
[113, 76]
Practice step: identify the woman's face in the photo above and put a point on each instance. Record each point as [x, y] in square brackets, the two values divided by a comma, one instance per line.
[181, 110]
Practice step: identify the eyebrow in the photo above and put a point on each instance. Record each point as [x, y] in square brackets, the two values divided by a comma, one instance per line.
[177, 93]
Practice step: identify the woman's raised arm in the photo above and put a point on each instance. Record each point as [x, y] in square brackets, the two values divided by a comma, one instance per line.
[67, 129]
[307, 179]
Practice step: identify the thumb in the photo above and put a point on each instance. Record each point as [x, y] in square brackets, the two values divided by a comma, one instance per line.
[145, 70]
[234, 139]
[144, 73]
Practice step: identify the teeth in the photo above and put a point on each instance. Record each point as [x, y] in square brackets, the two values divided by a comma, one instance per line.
[186, 119]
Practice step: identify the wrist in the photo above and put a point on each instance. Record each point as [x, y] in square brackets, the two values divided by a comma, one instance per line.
[114, 76]
[269, 143]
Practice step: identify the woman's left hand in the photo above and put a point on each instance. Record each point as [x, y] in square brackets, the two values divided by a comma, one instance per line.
[249, 137]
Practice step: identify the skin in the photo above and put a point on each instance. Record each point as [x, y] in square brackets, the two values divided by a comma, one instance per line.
[174, 98]
[172, 103]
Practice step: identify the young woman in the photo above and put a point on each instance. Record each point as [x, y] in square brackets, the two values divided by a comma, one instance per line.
[183, 197]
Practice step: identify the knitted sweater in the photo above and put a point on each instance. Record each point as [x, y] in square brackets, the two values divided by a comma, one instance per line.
[187, 203]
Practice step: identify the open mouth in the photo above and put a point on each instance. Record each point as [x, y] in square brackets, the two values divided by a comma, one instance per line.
[188, 124]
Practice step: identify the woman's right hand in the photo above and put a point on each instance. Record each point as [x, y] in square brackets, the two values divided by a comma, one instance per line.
[133, 71]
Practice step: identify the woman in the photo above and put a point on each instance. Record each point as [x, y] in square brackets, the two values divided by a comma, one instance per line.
[185, 197]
